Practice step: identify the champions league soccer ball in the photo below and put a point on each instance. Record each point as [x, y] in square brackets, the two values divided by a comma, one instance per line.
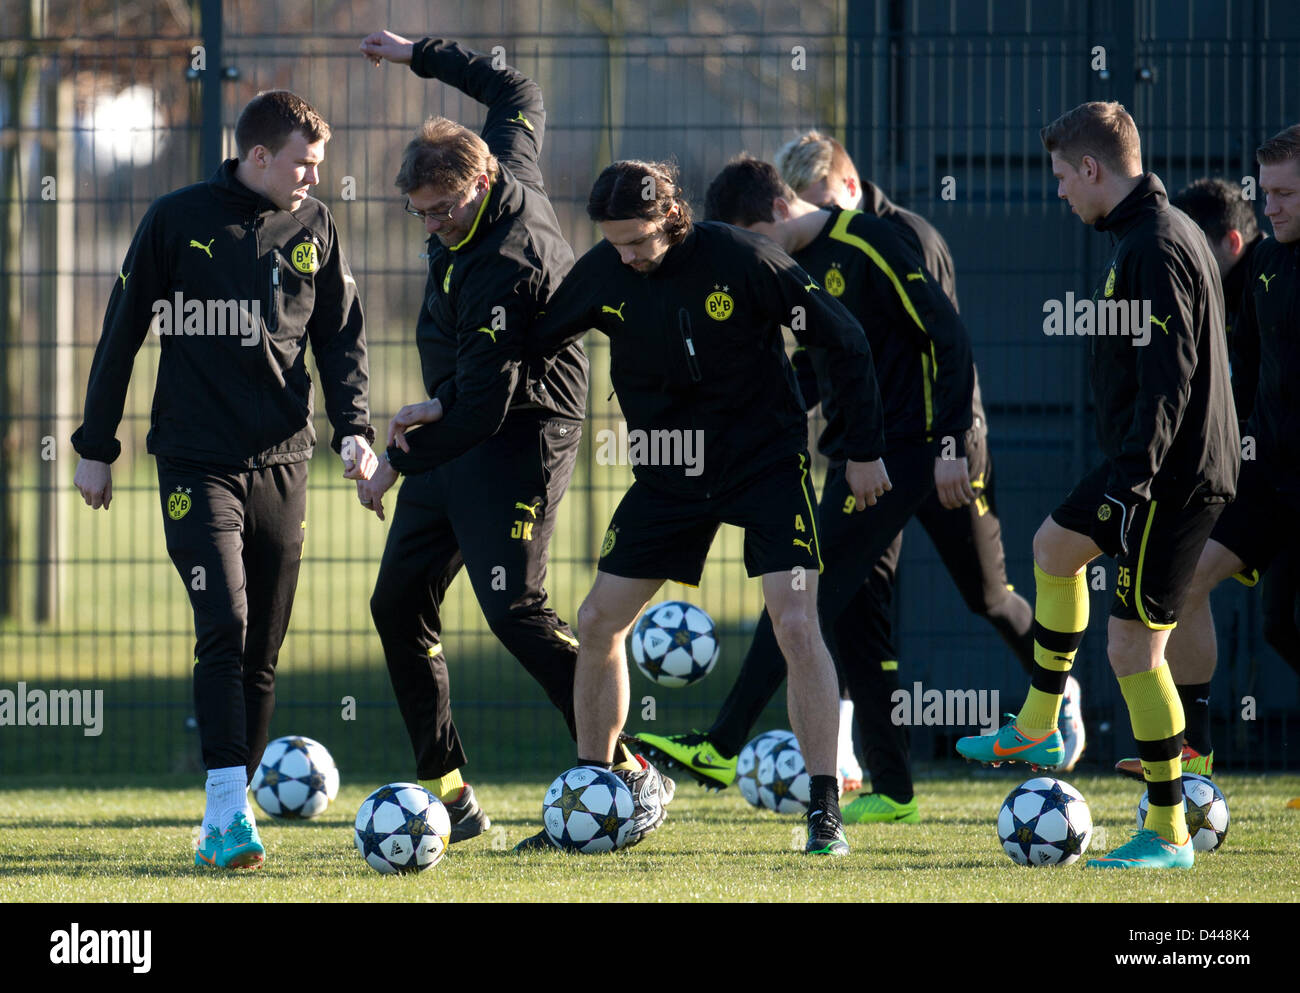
[588, 810]
[402, 827]
[674, 644]
[783, 783]
[296, 778]
[1206, 810]
[751, 756]
[1044, 822]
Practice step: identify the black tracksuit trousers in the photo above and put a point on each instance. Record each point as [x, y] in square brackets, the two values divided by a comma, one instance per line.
[235, 536]
[492, 510]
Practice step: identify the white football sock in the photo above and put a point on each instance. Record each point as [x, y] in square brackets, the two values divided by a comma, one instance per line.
[227, 795]
[846, 728]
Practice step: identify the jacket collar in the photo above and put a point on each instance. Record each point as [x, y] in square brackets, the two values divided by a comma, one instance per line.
[505, 199]
[874, 200]
[230, 190]
[678, 257]
[1235, 281]
[834, 210]
[1148, 197]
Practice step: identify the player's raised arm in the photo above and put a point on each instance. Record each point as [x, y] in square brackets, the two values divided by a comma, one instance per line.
[516, 117]
[141, 280]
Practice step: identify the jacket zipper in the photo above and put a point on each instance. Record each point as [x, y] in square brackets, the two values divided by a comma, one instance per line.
[275, 279]
[273, 318]
[688, 343]
[692, 363]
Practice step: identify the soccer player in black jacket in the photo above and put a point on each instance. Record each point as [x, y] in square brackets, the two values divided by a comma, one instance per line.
[239, 274]
[1167, 428]
[922, 356]
[1228, 220]
[494, 447]
[694, 315]
[1258, 527]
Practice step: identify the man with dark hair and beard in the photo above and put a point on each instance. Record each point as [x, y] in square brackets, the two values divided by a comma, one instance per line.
[694, 314]
[922, 352]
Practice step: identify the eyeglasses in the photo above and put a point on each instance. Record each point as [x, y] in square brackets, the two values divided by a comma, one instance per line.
[439, 212]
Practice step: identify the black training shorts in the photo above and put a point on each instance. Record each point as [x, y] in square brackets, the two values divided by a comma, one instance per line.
[657, 536]
[1165, 541]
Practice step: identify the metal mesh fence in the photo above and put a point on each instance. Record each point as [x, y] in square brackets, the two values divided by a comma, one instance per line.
[106, 99]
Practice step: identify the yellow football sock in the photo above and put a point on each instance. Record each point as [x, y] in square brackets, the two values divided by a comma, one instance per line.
[446, 787]
[1157, 716]
[1060, 618]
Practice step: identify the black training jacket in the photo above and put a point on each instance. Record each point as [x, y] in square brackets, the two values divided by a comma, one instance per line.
[482, 295]
[923, 237]
[1270, 313]
[1243, 340]
[919, 346]
[697, 345]
[1165, 416]
[232, 400]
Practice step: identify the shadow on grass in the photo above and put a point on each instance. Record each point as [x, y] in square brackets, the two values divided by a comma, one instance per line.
[509, 728]
[120, 822]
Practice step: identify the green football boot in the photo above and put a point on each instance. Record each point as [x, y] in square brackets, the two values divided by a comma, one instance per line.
[1009, 745]
[692, 753]
[1147, 850]
[1193, 762]
[876, 808]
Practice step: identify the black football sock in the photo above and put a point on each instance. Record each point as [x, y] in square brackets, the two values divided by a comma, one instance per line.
[823, 794]
[598, 765]
[1196, 708]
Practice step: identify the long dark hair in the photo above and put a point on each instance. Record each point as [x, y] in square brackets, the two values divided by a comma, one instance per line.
[644, 190]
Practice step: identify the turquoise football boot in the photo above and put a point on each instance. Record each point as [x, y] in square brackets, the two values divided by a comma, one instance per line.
[1147, 850]
[209, 849]
[1010, 745]
[241, 848]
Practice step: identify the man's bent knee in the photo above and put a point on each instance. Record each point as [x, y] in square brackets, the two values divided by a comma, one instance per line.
[796, 629]
[1132, 647]
[1059, 551]
[1216, 563]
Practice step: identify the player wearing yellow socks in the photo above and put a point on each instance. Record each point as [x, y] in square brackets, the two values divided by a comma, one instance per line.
[1167, 428]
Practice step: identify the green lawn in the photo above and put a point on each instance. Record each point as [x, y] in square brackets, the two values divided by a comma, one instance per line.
[132, 843]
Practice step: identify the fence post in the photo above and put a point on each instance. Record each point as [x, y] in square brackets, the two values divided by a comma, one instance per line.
[18, 82]
[54, 355]
[210, 145]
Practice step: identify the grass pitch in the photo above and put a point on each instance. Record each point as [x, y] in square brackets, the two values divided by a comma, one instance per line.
[133, 843]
